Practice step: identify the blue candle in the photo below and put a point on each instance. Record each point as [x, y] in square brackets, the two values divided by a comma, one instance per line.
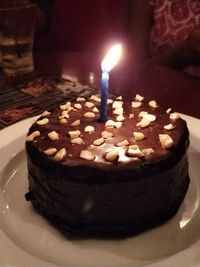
[107, 64]
[104, 96]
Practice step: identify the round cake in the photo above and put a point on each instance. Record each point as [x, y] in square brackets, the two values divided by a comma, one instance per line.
[116, 178]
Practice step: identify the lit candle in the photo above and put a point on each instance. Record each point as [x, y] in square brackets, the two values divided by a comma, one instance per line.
[107, 64]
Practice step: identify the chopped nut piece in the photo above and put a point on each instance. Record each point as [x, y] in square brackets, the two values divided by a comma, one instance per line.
[169, 127]
[153, 104]
[117, 104]
[120, 118]
[142, 114]
[138, 136]
[148, 151]
[150, 117]
[134, 151]
[60, 154]
[74, 134]
[136, 104]
[139, 98]
[32, 136]
[146, 115]
[45, 113]
[89, 104]
[95, 98]
[63, 121]
[111, 155]
[78, 106]
[169, 110]
[50, 151]
[123, 143]
[98, 142]
[77, 141]
[63, 107]
[109, 101]
[174, 116]
[89, 115]
[43, 121]
[76, 123]
[111, 123]
[85, 154]
[95, 110]
[106, 134]
[80, 99]
[119, 97]
[131, 115]
[118, 111]
[89, 129]
[143, 123]
[165, 140]
[53, 135]
[65, 114]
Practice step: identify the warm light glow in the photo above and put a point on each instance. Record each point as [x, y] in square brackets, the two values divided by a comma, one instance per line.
[111, 58]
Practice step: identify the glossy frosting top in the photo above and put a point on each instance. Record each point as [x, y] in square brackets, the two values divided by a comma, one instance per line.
[141, 133]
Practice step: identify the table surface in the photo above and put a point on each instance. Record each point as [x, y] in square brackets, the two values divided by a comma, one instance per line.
[170, 88]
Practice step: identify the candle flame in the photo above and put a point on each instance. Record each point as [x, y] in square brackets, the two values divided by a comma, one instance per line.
[111, 58]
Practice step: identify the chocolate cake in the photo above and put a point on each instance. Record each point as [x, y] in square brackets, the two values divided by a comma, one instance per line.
[120, 177]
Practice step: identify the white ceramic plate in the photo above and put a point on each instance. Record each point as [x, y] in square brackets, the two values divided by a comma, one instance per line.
[27, 239]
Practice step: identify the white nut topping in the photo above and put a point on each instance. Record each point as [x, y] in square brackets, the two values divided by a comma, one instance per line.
[89, 129]
[53, 135]
[118, 111]
[43, 121]
[131, 115]
[50, 151]
[169, 127]
[134, 151]
[123, 143]
[106, 134]
[146, 115]
[166, 140]
[89, 115]
[76, 123]
[174, 116]
[45, 113]
[142, 114]
[117, 104]
[95, 110]
[136, 104]
[120, 118]
[85, 154]
[109, 101]
[65, 114]
[119, 97]
[139, 97]
[138, 136]
[150, 117]
[77, 141]
[111, 123]
[169, 110]
[111, 155]
[80, 99]
[78, 106]
[67, 106]
[95, 98]
[63, 121]
[153, 104]
[32, 136]
[74, 134]
[98, 142]
[148, 151]
[89, 104]
[60, 154]
[143, 123]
